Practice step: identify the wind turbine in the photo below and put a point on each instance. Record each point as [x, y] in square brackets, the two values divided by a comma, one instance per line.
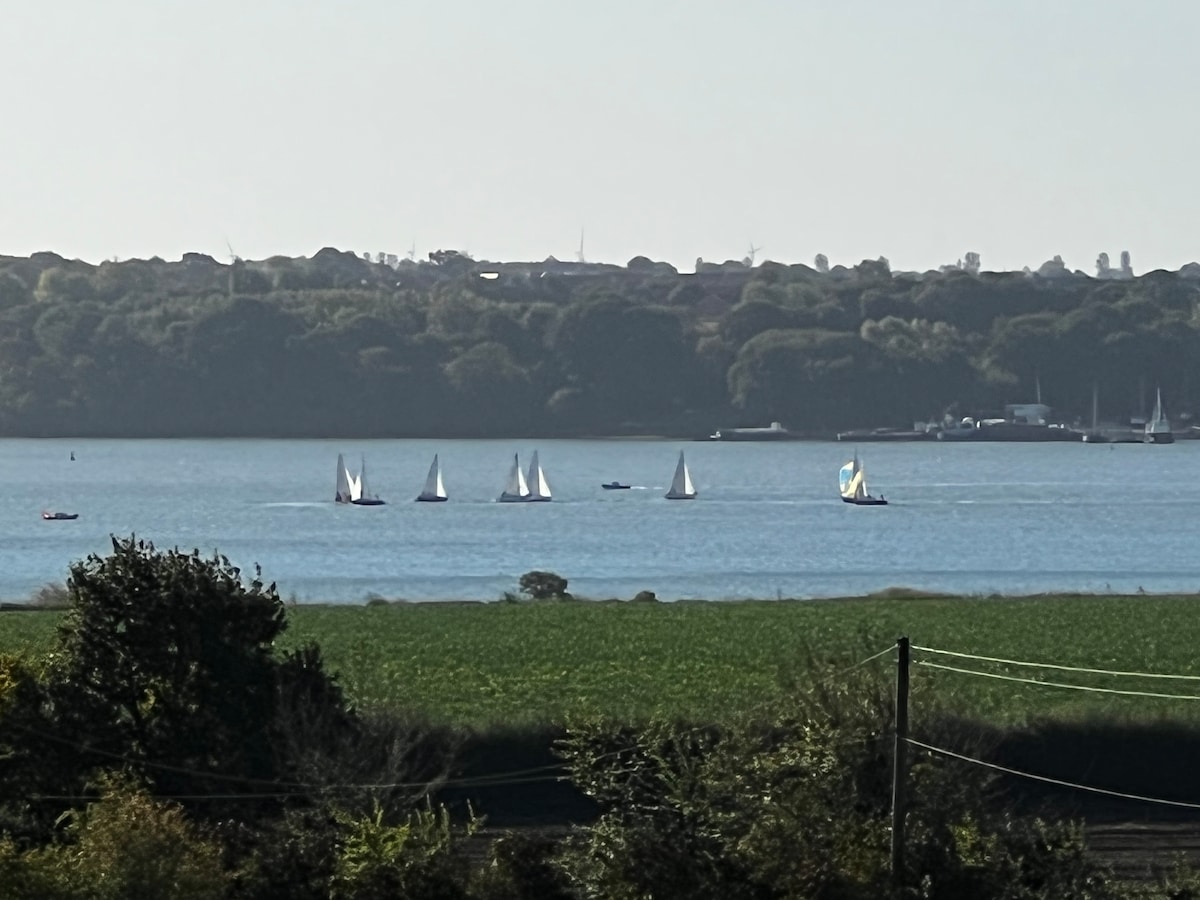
[748, 262]
[579, 254]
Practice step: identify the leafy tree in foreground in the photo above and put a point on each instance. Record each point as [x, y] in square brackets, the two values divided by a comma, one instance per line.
[166, 666]
[168, 657]
[167, 670]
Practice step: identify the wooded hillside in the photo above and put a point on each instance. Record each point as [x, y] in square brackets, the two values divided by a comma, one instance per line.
[339, 344]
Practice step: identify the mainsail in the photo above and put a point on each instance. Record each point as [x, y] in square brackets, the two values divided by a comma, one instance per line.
[434, 490]
[358, 487]
[1158, 429]
[539, 489]
[516, 489]
[681, 485]
[343, 494]
[852, 480]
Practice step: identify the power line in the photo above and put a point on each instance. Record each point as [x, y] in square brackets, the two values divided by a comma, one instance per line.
[858, 665]
[1034, 665]
[1059, 684]
[1047, 780]
[469, 781]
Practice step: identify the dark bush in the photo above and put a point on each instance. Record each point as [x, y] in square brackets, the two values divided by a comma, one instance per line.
[544, 585]
[521, 867]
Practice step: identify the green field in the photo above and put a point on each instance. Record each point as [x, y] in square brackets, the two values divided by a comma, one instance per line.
[524, 663]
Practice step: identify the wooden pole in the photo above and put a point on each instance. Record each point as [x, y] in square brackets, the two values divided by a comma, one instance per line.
[900, 763]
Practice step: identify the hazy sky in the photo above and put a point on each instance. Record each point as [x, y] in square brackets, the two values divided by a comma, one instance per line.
[915, 130]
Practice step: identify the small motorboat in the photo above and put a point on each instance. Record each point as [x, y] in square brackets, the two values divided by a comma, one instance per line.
[58, 516]
[614, 486]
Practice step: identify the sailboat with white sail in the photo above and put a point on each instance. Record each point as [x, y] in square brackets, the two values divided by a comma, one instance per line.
[681, 484]
[539, 488]
[1095, 436]
[852, 485]
[1158, 429]
[342, 493]
[358, 486]
[434, 490]
[515, 490]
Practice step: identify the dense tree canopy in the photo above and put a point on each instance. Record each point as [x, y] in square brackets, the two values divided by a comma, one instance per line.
[338, 344]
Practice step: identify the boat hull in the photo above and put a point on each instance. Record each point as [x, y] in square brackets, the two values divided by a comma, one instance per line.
[432, 499]
[368, 502]
[60, 517]
[615, 487]
[1159, 437]
[680, 496]
[765, 434]
[1011, 431]
[865, 501]
[883, 435]
[773, 432]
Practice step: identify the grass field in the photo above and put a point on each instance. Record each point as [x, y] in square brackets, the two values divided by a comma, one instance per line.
[524, 663]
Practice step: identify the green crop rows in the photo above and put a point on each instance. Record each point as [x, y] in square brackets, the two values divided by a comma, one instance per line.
[524, 663]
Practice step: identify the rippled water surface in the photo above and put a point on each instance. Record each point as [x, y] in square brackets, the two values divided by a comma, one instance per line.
[965, 518]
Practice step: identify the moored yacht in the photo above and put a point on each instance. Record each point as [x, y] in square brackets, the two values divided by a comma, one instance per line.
[1158, 429]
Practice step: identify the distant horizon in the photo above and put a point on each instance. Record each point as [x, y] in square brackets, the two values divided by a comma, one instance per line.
[685, 268]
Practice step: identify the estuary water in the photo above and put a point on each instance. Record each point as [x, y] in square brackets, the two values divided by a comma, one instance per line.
[973, 518]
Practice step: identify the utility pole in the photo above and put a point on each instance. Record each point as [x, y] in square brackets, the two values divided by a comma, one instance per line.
[900, 764]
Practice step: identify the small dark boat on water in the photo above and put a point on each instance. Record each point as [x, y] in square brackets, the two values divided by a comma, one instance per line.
[614, 486]
[58, 516]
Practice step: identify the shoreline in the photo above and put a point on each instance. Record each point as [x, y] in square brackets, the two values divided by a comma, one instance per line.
[899, 594]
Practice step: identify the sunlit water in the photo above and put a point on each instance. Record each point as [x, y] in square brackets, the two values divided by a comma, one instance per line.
[964, 518]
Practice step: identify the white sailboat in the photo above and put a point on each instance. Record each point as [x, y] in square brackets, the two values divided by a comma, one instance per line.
[515, 491]
[359, 494]
[539, 488]
[342, 492]
[434, 491]
[681, 485]
[852, 485]
[1158, 429]
[1095, 436]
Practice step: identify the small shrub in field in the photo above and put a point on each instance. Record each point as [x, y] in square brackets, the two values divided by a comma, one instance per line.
[544, 585]
[645, 597]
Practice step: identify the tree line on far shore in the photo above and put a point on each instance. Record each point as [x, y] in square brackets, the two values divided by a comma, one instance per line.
[338, 344]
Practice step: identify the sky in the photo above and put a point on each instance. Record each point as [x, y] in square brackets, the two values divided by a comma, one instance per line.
[916, 131]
